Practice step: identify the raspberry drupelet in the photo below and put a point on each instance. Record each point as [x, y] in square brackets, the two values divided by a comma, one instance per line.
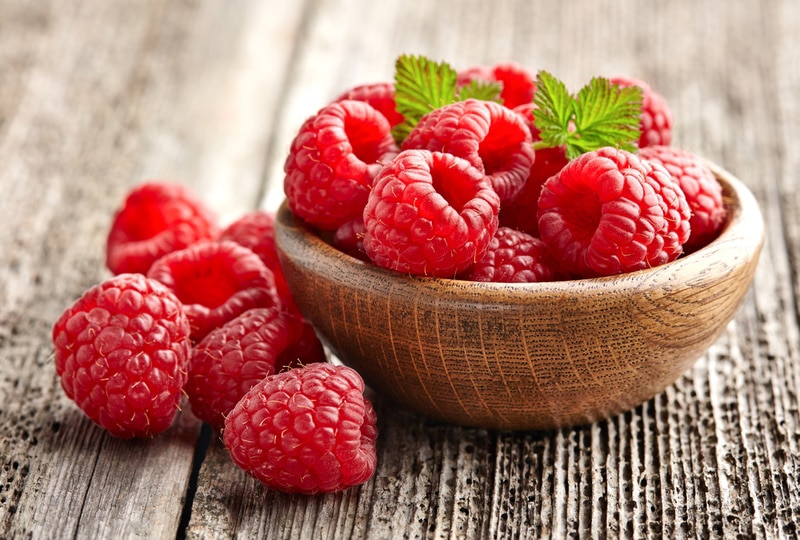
[122, 355]
[608, 212]
[429, 213]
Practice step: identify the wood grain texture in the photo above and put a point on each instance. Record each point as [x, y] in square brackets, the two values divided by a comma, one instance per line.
[95, 96]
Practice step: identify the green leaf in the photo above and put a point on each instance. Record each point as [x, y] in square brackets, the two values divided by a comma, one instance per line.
[421, 86]
[483, 90]
[554, 109]
[602, 114]
[607, 115]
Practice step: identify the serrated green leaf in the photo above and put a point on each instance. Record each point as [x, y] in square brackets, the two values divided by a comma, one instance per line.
[554, 109]
[482, 90]
[421, 86]
[602, 114]
[606, 115]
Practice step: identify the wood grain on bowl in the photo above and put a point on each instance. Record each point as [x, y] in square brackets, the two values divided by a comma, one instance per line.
[524, 356]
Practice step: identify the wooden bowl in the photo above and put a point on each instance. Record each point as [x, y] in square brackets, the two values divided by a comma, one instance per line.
[524, 356]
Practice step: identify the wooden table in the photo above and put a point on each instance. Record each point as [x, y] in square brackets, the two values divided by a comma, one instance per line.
[96, 96]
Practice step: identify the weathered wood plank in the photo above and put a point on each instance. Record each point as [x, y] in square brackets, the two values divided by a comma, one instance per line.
[99, 97]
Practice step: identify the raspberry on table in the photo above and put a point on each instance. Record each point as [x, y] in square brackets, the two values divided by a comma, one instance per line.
[235, 356]
[156, 218]
[308, 430]
[302, 350]
[429, 213]
[349, 238]
[703, 191]
[332, 161]
[492, 137]
[518, 84]
[514, 257]
[256, 231]
[122, 355]
[656, 122]
[380, 95]
[216, 282]
[608, 212]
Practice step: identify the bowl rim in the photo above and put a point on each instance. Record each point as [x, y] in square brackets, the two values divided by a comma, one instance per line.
[744, 227]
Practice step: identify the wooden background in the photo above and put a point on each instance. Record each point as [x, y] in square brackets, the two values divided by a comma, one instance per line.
[96, 96]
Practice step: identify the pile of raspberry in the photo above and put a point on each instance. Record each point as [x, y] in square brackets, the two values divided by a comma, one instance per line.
[469, 195]
[199, 314]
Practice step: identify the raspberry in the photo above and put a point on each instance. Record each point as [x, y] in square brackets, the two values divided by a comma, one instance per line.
[492, 137]
[703, 192]
[514, 257]
[349, 238]
[308, 430]
[333, 160]
[379, 95]
[608, 212]
[518, 85]
[656, 115]
[520, 213]
[122, 354]
[155, 219]
[216, 282]
[305, 349]
[256, 231]
[429, 213]
[234, 357]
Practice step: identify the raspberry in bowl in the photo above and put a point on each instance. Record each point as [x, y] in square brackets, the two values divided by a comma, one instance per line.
[524, 356]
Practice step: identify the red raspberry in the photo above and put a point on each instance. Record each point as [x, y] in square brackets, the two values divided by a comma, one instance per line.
[492, 137]
[234, 357]
[216, 282]
[518, 85]
[609, 212]
[155, 219]
[379, 95]
[305, 349]
[514, 257]
[656, 115]
[429, 213]
[308, 430]
[703, 192]
[333, 160]
[520, 213]
[256, 231]
[349, 238]
[122, 353]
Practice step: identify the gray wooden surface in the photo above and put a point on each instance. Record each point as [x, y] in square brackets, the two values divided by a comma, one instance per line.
[96, 96]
